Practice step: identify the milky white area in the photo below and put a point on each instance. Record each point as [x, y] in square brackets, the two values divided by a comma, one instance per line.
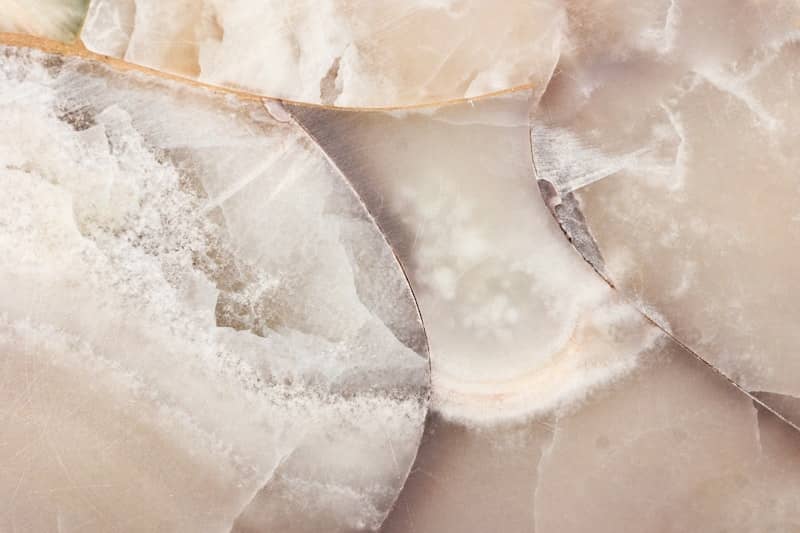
[341, 52]
[518, 323]
[138, 218]
[54, 19]
[681, 152]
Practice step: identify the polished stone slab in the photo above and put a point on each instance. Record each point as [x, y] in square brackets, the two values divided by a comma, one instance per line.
[200, 324]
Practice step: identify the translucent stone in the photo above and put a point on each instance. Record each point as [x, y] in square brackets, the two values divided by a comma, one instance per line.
[54, 19]
[200, 324]
[544, 381]
[517, 322]
[203, 328]
[343, 52]
[678, 156]
[671, 446]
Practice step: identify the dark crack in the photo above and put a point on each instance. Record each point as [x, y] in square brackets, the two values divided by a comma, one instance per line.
[788, 406]
[565, 209]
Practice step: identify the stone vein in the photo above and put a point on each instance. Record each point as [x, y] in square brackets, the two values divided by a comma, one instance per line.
[77, 49]
[660, 326]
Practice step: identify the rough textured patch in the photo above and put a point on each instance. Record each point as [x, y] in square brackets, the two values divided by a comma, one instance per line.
[188, 315]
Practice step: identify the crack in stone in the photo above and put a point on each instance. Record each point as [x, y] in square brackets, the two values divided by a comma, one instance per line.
[547, 450]
[570, 219]
[238, 524]
[329, 90]
[77, 49]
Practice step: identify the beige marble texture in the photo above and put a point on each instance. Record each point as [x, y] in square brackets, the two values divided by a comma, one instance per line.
[216, 308]
[556, 405]
[681, 158]
[53, 19]
[670, 447]
[198, 319]
[517, 322]
[377, 53]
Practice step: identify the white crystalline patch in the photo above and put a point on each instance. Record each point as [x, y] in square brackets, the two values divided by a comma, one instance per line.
[137, 219]
[342, 52]
[605, 345]
[110, 24]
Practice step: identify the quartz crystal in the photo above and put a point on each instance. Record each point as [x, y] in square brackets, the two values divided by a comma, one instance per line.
[342, 52]
[686, 188]
[200, 324]
[54, 19]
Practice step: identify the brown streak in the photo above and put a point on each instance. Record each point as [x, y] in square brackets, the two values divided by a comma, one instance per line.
[77, 49]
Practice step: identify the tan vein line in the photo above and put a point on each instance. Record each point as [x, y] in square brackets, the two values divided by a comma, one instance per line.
[76, 48]
[654, 322]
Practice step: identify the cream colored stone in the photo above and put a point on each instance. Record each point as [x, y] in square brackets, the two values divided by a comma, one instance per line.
[53, 19]
[565, 410]
[669, 447]
[343, 52]
[672, 448]
[517, 323]
[680, 155]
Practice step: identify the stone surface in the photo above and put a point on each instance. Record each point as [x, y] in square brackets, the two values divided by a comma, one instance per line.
[199, 322]
[204, 325]
[54, 19]
[517, 322]
[670, 447]
[343, 52]
[679, 153]
[550, 394]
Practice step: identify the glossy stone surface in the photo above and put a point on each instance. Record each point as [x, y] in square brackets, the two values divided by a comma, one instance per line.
[380, 53]
[200, 324]
[681, 158]
[208, 298]
[517, 322]
[670, 447]
[555, 395]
